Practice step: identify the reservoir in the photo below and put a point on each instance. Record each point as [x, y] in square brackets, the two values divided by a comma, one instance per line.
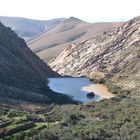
[77, 88]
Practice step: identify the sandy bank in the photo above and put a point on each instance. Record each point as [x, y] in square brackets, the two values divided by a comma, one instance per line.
[100, 90]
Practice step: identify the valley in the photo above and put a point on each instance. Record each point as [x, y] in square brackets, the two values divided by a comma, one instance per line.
[50, 44]
[40, 101]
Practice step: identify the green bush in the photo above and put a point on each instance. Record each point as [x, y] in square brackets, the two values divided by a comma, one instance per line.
[113, 88]
[20, 127]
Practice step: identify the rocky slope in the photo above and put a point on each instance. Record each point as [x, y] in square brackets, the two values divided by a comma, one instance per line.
[50, 43]
[28, 28]
[113, 53]
[23, 75]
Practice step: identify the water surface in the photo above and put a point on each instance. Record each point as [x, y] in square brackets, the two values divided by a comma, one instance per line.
[73, 88]
[77, 88]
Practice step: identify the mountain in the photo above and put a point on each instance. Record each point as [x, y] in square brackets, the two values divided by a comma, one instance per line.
[28, 28]
[111, 58]
[50, 43]
[114, 54]
[23, 76]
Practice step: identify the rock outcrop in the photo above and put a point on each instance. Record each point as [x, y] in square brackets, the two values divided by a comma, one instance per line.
[113, 53]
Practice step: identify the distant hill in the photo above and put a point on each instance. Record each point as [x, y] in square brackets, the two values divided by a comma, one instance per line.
[47, 38]
[23, 76]
[50, 43]
[27, 28]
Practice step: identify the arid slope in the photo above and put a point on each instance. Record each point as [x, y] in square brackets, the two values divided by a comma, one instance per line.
[114, 53]
[23, 76]
[28, 28]
[54, 41]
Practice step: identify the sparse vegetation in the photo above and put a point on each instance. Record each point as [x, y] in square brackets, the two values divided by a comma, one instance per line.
[116, 118]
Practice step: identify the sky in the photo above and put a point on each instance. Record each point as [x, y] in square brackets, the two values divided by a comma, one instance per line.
[88, 10]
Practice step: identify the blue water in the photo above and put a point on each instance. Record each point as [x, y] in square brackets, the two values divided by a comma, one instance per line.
[72, 87]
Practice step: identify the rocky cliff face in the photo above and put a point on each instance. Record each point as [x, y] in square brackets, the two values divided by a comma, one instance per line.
[115, 53]
[22, 74]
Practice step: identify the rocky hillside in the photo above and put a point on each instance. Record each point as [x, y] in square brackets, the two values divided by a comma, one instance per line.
[113, 53]
[23, 76]
[50, 43]
[28, 28]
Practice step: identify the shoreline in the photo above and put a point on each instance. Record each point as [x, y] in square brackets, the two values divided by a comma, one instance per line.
[99, 90]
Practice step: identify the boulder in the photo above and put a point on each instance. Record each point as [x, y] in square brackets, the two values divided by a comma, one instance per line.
[90, 95]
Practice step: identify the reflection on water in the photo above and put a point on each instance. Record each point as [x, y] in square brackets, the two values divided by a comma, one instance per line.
[73, 88]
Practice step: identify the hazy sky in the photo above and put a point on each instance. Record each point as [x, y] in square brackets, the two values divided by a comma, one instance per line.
[88, 10]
